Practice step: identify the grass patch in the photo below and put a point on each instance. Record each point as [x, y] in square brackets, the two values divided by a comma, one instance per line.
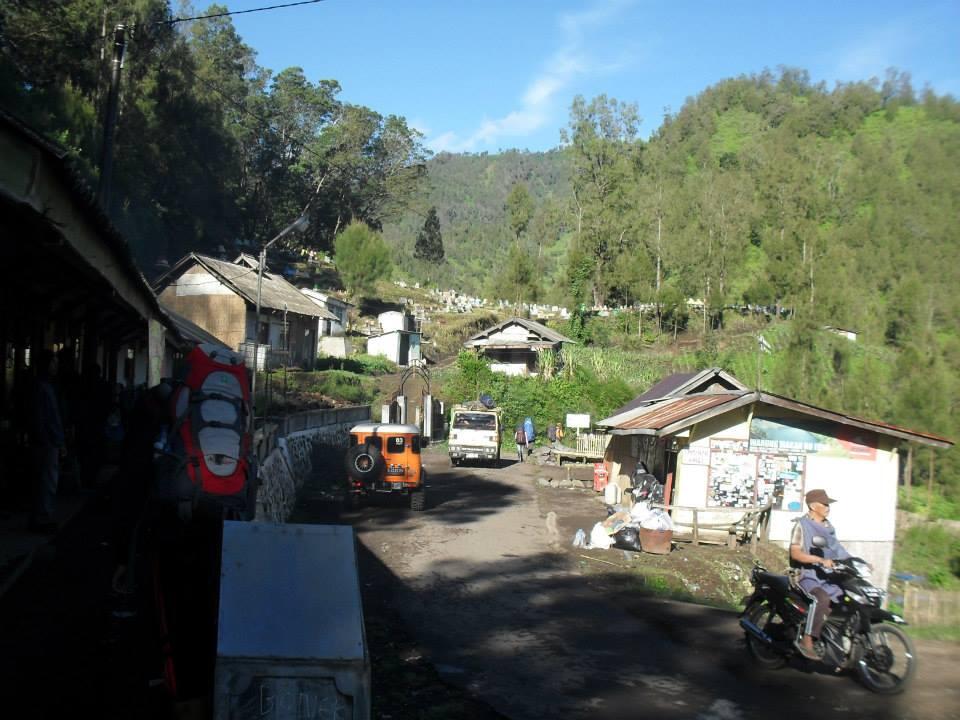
[919, 501]
[359, 364]
[949, 633]
[342, 386]
[930, 550]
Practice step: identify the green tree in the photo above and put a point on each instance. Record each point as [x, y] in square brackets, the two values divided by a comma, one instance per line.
[520, 209]
[429, 245]
[362, 258]
[603, 141]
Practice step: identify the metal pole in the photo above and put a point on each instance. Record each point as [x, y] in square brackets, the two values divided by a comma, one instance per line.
[300, 223]
[110, 119]
[256, 332]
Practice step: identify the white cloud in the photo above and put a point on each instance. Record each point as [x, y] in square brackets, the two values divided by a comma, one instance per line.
[876, 50]
[420, 125]
[537, 105]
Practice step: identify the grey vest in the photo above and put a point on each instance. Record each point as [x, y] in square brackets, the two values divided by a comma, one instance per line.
[833, 550]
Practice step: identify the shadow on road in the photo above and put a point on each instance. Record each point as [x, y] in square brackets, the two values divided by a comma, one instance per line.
[535, 638]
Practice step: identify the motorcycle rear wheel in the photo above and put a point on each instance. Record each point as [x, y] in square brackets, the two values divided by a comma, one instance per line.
[765, 618]
[888, 661]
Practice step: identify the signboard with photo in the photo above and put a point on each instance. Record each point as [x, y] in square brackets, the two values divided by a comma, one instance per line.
[780, 481]
[733, 474]
[801, 435]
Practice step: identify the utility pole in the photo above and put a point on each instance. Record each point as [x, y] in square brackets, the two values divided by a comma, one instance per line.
[300, 224]
[110, 118]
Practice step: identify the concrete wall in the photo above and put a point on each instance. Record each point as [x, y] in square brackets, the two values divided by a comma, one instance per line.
[203, 300]
[387, 346]
[392, 320]
[334, 346]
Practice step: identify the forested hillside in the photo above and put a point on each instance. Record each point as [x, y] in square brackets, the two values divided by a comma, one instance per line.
[470, 193]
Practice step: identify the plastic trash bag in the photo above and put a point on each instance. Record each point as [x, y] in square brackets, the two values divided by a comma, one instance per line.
[580, 539]
[627, 538]
[647, 488]
[639, 513]
[599, 537]
[657, 520]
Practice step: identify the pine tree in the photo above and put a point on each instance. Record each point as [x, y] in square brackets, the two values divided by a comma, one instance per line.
[429, 245]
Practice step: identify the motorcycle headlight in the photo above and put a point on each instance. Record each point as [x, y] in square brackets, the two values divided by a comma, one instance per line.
[862, 569]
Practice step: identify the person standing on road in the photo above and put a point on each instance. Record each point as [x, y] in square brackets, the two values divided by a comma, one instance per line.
[520, 437]
[47, 443]
[813, 546]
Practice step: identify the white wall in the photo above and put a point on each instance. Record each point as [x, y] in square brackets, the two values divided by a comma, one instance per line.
[511, 333]
[387, 346]
[509, 368]
[692, 478]
[334, 346]
[198, 281]
[392, 320]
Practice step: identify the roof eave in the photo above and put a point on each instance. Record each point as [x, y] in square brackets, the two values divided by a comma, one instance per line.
[901, 433]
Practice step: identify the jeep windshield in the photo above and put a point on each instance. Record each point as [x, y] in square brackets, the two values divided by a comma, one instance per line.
[475, 421]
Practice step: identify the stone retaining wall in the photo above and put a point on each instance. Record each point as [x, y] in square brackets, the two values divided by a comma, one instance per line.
[931, 607]
[289, 464]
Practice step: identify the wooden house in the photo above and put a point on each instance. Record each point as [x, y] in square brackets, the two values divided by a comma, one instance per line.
[221, 296]
[513, 345]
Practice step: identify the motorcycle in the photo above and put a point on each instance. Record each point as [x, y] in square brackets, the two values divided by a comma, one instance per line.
[857, 635]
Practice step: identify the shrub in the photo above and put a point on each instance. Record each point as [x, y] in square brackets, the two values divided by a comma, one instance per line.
[360, 364]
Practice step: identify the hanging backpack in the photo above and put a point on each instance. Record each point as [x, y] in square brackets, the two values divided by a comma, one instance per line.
[209, 464]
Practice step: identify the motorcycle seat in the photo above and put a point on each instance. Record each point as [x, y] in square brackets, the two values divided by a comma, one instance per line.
[780, 582]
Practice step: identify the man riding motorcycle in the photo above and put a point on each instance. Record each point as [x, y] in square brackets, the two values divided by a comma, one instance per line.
[813, 546]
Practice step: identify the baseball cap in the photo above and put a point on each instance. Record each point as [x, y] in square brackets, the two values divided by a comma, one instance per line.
[818, 495]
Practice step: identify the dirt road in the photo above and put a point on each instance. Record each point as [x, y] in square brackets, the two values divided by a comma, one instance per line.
[486, 583]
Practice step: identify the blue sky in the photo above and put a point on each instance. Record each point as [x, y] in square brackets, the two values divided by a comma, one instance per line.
[490, 75]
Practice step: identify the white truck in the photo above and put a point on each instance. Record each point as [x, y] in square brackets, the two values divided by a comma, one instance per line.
[476, 431]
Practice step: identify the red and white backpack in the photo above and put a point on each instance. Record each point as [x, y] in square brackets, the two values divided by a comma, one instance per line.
[210, 435]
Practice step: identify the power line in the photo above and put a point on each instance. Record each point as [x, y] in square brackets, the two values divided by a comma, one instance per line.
[237, 12]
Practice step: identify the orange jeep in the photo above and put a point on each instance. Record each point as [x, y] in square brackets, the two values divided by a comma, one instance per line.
[385, 458]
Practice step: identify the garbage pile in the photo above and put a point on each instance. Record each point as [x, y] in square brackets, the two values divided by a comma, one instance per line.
[639, 528]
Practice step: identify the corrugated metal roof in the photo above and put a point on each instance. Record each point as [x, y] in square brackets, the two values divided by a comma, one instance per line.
[683, 384]
[673, 412]
[668, 412]
[276, 292]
